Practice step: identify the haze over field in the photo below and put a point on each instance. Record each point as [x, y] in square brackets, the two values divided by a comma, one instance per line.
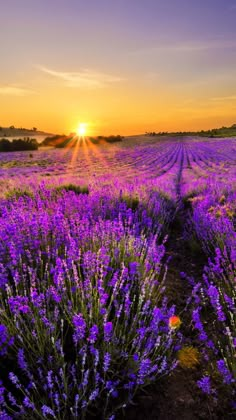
[121, 66]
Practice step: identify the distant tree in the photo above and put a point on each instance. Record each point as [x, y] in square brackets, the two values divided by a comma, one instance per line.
[12, 127]
[34, 128]
[113, 139]
[0, 128]
[5, 145]
[18, 145]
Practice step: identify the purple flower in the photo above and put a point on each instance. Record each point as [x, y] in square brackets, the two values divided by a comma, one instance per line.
[19, 304]
[94, 395]
[14, 379]
[93, 333]
[3, 334]
[2, 390]
[157, 315]
[198, 325]
[52, 292]
[28, 404]
[103, 298]
[144, 370]
[80, 327]
[56, 398]
[47, 410]
[205, 385]
[224, 371]
[12, 399]
[213, 294]
[133, 268]
[85, 379]
[21, 360]
[106, 363]
[5, 340]
[4, 416]
[108, 331]
[50, 379]
[136, 357]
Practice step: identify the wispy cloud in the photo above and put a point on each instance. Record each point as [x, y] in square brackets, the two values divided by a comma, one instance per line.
[224, 98]
[189, 46]
[15, 91]
[152, 75]
[85, 79]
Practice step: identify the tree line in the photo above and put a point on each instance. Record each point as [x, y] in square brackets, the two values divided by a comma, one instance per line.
[18, 145]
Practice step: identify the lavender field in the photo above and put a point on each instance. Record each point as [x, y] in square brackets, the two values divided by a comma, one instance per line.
[117, 270]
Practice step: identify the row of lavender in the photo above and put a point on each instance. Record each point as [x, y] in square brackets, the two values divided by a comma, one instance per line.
[208, 184]
[214, 219]
[84, 319]
[152, 161]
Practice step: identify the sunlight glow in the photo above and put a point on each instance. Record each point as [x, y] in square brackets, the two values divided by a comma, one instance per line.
[82, 129]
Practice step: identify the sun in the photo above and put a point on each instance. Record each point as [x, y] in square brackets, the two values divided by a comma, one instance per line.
[81, 130]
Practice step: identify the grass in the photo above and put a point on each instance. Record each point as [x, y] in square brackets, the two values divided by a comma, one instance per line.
[131, 201]
[77, 189]
[17, 193]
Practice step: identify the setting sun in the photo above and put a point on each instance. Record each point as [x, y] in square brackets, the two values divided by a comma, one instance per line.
[82, 129]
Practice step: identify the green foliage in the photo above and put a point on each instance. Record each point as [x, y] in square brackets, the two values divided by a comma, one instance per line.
[164, 195]
[107, 139]
[215, 132]
[113, 139]
[131, 201]
[187, 199]
[61, 141]
[77, 189]
[94, 140]
[56, 141]
[17, 193]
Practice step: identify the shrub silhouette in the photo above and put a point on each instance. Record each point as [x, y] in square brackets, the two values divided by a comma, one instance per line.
[18, 145]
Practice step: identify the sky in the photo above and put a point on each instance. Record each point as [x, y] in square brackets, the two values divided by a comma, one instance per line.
[121, 66]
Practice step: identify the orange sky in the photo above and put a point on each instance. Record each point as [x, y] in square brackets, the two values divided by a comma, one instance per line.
[122, 69]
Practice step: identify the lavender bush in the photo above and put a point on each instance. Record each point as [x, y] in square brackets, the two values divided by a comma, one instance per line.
[213, 217]
[83, 319]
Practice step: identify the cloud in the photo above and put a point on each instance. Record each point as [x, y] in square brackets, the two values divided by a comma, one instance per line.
[152, 75]
[15, 91]
[189, 46]
[224, 98]
[204, 46]
[84, 79]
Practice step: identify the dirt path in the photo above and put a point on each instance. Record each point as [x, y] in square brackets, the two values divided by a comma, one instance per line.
[177, 397]
[181, 399]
